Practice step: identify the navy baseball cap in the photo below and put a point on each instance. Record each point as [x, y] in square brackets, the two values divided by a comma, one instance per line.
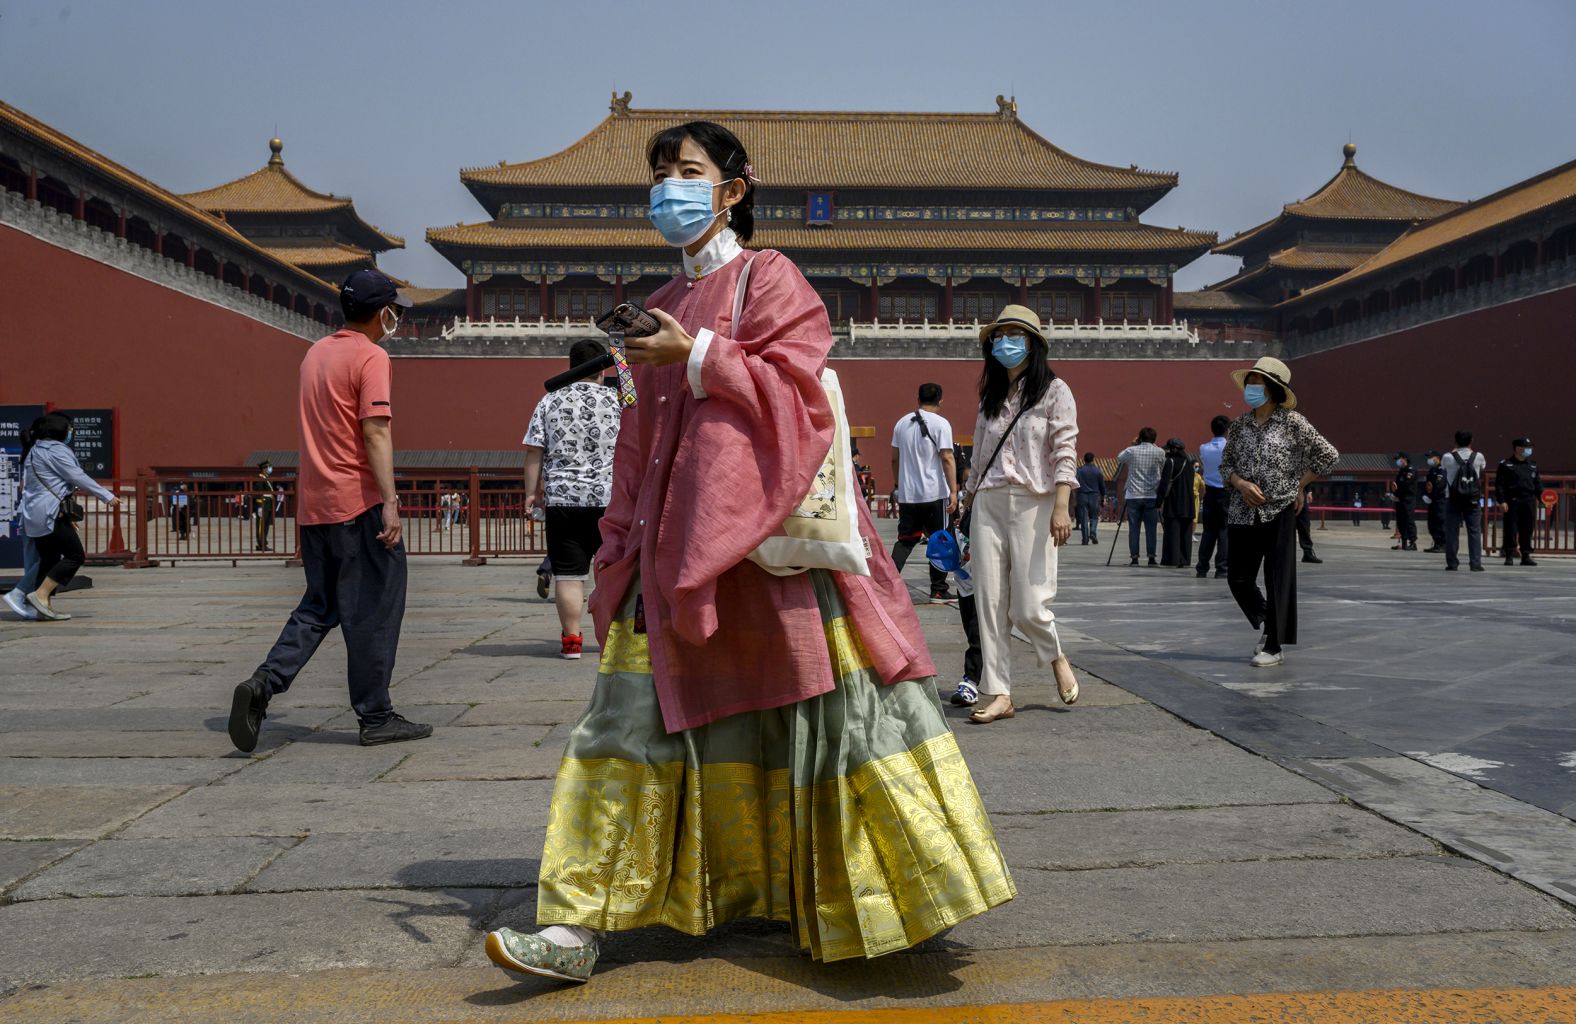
[373, 289]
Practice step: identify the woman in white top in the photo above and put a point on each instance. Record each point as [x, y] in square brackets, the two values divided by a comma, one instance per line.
[50, 474]
[1025, 445]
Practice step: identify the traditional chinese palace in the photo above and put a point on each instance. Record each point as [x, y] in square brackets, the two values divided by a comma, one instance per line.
[190, 314]
[891, 216]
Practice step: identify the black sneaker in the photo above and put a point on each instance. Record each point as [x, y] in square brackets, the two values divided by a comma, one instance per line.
[1309, 556]
[395, 730]
[942, 596]
[1220, 574]
[1476, 568]
[1133, 562]
[1154, 564]
[1528, 561]
[1510, 561]
[1201, 573]
[248, 708]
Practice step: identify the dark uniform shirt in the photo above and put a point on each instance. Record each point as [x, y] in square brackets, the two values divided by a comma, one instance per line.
[1436, 484]
[1405, 485]
[1517, 480]
[263, 491]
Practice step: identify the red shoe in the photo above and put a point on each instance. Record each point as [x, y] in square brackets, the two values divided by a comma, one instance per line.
[572, 644]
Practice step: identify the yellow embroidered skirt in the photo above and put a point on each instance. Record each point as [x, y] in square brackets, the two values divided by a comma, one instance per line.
[851, 816]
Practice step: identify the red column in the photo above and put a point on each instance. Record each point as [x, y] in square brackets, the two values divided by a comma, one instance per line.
[1023, 291]
[191, 256]
[1170, 314]
[1096, 317]
[470, 298]
[543, 303]
[246, 281]
[618, 289]
[158, 243]
[875, 299]
[946, 300]
[32, 183]
[120, 225]
[81, 212]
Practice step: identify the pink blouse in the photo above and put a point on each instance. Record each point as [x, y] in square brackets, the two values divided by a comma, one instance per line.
[709, 463]
[1043, 449]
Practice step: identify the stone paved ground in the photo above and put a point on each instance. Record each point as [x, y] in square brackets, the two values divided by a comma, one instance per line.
[149, 872]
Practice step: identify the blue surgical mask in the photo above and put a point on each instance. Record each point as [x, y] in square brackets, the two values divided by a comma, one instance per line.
[1398, 463]
[1010, 349]
[1254, 395]
[1526, 453]
[681, 208]
[70, 434]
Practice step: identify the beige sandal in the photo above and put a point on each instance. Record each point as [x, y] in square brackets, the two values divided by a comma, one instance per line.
[984, 717]
[1066, 682]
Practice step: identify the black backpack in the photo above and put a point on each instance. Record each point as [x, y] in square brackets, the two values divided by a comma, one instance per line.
[1468, 488]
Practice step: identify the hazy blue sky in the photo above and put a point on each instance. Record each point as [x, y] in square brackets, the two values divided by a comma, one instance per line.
[1250, 102]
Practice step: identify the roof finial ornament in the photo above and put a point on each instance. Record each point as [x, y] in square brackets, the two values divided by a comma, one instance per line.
[1350, 149]
[275, 147]
[620, 104]
[1006, 107]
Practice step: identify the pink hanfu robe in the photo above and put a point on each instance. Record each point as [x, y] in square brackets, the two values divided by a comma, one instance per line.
[699, 482]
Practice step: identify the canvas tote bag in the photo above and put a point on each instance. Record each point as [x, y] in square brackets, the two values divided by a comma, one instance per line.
[823, 531]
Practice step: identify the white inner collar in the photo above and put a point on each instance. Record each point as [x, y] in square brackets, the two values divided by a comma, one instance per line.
[713, 256]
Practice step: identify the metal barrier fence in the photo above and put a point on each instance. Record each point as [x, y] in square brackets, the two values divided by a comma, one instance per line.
[1554, 531]
[207, 517]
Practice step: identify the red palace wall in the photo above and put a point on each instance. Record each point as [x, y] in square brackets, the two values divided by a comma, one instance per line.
[1494, 372]
[195, 383]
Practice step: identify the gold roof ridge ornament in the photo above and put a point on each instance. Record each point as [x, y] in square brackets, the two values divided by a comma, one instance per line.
[620, 104]
[1007, 107]
[276, 146]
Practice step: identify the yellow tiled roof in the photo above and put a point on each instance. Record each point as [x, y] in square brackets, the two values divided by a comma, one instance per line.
[1351, 195]
[1481, 215]
[836, 149]
[1212, 298]
[324, 256]
[1314, 257]
[273, 189]
[134, 182]
[796, 238]
[435, 296]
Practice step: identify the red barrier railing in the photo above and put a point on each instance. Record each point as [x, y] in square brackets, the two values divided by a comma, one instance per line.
[1554, 530]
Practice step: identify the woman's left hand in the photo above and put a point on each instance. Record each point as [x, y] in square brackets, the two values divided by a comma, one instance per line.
[672, 344]
[1061, 526]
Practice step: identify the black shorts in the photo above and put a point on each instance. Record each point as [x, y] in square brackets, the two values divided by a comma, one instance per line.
[917, 520]
[573, 535]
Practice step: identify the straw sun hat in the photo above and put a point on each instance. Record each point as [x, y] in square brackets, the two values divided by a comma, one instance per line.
[1271, 369]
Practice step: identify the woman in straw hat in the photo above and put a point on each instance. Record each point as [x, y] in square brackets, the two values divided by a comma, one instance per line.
[1027, 433]
[1272, 454]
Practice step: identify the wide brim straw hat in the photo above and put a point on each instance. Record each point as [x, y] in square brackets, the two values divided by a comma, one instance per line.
[1015, 316]
[1274, 370]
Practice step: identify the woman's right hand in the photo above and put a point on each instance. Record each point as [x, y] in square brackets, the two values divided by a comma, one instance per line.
[1250, 493]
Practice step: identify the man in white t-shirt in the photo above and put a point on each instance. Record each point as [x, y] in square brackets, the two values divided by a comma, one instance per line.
[927, 480]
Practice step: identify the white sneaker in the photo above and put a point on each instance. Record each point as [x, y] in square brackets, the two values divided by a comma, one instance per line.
[1264, 638]
[1266, 660]
[16, 600]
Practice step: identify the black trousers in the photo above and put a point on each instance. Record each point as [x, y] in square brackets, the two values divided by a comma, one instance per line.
[1305, 529]
[1273, 546]
[1455, 516]
[1212, 515]
[1406, 519]
[1436, 522]
[973, 660]
[265, 523]
[915, 522]
[1521, 520]
[183, 521]
[357, 584]
[60, 553]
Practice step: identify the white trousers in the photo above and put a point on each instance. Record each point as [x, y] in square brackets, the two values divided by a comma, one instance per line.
[1013, 562]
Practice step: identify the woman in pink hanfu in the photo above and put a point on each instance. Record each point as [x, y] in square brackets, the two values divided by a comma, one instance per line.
[756, 745]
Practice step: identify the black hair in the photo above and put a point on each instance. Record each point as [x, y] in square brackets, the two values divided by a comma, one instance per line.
[52, 426]
[1147, 435]
[1274, 391]
[1088, 457]
[1463, 438]
[995, 383]
[929, 394]
[358, 312]
[30, 436]
[725, 150]
[585, 350]
[1219, 425]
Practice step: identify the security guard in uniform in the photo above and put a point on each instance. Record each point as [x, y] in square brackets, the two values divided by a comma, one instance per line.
[1435, 492]
[1517, 486]
[1404, 489]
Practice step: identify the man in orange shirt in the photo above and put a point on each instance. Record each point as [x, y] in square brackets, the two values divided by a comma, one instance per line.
[349, 517]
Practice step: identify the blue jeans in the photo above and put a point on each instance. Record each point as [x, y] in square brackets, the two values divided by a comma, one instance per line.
[1147, 511]
[30, 565]
[1089, 515]
[1455, 518]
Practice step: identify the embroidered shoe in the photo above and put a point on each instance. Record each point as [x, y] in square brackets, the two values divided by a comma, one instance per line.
[532, 954]
[573, 643]
[965, 696]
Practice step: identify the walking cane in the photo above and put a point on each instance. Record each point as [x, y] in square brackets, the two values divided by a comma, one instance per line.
[1121, 517]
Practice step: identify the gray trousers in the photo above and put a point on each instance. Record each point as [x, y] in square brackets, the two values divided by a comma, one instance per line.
[355, 583]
